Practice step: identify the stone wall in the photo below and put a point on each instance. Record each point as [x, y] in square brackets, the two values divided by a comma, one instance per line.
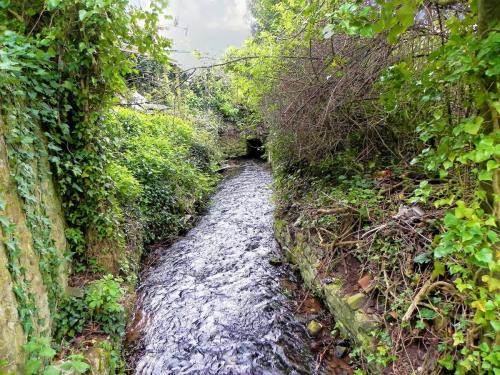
[349, 315]
[12, 335]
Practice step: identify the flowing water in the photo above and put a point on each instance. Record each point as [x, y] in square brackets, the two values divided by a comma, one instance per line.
[214, 304]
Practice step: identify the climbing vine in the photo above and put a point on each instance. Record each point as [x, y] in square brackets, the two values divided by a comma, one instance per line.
[26, 306]
[30, 175]
[62, 62]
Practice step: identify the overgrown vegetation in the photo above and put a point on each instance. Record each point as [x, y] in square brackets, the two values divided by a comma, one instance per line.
[165, 165]
[125, 178]
[384, 138]
[383, 133]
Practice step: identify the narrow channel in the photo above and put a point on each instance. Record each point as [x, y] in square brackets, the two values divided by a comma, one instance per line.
[214, 304]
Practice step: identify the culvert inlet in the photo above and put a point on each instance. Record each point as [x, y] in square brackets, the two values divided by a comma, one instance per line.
[255, 148]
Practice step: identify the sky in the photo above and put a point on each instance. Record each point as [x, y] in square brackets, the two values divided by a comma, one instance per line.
[208, 26]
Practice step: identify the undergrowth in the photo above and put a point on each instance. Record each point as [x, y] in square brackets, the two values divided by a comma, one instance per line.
[384, 138]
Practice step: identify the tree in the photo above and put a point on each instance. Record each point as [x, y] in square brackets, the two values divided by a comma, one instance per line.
[488, 19]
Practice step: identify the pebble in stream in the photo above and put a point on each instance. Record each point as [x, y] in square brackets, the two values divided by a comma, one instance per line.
[214, 304]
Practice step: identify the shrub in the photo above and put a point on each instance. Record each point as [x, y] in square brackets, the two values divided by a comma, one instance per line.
[127, 186]
[70, 317]
[167, 159]
[100, 304]
[102, 299]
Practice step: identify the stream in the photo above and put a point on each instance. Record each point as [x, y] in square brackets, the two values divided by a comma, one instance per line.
[213, 303]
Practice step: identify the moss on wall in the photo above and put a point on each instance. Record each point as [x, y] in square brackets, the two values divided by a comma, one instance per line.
[12, 321]
[353, 321]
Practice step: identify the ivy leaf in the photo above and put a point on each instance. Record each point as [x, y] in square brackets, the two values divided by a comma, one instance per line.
[479, 305]
[80, 366]
[4, 4]
[462, 211]
[458, 338]
[484, 257]
[439, 269]
[423, 258]
[492, 164]
[496, 325]
[27, 140]
[447, 362]
[51, 370]
[47, 352]
[485, 175]
[32, 366]
[82, 13]
[427, 314]
[52, 4]
[472, 126]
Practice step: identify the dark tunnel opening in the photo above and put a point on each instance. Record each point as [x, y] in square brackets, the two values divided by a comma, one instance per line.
[255, 148]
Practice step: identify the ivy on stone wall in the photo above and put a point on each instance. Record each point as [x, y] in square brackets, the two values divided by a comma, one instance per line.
[61, 64]
[26, 306]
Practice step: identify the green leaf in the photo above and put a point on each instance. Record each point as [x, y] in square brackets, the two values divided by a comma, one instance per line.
[47, 352]
[472, 126]
[462, 211]
[82, 13]
[492, 165]
[484, 257]
[447, 362]
[80, 366]
[52, 4]
[32, 366]
[485, 175]
[423, 258]
[427, 314]
[51, 370]
[27, 140]
[458, 338]
[4, 4]
[4, 221]
[439, 269]
[496, 325]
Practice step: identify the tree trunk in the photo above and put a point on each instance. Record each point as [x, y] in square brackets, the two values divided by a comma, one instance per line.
[488, 20]
[488, 15]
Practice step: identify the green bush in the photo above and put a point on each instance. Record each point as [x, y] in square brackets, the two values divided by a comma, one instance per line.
[100, 304]
[167, 160]
[127, 186]
[102, 299]
[70, 317]
[40, 355]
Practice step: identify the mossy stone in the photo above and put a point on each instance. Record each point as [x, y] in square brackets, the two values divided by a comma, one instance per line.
[356, 301]
[314, 327]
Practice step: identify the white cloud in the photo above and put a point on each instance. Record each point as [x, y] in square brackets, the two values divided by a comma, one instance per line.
[210, 26]
[234, 17]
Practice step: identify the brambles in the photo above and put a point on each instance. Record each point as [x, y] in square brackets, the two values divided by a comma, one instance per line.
[384, 138]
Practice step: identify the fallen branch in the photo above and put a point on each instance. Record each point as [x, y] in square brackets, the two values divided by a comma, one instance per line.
[422, 293]
[348, 243]
[334, 211]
